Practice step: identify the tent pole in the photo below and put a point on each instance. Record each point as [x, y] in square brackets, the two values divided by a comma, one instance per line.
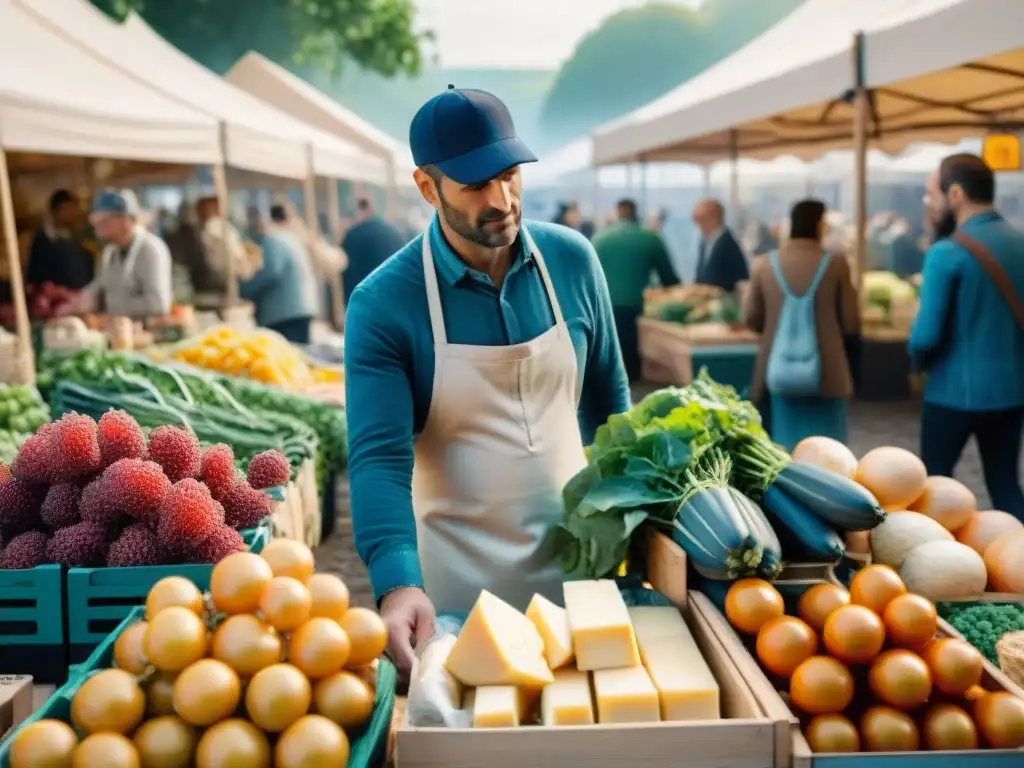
[643, 184]
[860, 161]
[313, 225]
[706, 188]
[335, 281]
[734, 176]
[220, 185]
[26, 367]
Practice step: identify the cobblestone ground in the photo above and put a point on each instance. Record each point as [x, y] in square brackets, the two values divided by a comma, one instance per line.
[871, 425]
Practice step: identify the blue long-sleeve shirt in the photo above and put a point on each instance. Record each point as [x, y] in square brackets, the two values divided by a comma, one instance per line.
[389, 368]
[965, 334]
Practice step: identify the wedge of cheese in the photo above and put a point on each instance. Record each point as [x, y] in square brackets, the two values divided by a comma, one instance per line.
[602, 635]
[552, 622]
[568, 700]
[497, 706]
[498, 646]
[626, 695]
[686, 688]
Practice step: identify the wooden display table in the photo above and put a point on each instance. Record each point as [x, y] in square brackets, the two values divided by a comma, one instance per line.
[671, 353]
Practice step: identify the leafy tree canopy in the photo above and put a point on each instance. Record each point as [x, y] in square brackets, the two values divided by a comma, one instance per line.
[378, 35]
[639, 54]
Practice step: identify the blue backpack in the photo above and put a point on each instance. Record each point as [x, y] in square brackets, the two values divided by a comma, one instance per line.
[794, 363]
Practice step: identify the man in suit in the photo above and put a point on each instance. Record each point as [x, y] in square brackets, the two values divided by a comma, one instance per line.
[969, 331]
[721, 261]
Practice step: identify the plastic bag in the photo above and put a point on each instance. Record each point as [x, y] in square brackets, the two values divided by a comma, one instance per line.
[435, 697]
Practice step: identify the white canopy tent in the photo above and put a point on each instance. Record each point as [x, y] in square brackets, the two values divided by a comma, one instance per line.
[256, 137]
[55, 99]
[943, 70]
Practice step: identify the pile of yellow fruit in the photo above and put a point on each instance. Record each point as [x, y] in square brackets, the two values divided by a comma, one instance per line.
[261, 355]
[272, 667]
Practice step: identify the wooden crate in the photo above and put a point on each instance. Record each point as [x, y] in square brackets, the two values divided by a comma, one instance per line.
[792, 749]
[666, 349]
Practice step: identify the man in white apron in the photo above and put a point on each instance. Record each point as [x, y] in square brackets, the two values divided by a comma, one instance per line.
[135, 276]
[474, 358]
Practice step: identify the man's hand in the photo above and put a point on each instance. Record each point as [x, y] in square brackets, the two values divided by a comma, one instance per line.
[409, 616]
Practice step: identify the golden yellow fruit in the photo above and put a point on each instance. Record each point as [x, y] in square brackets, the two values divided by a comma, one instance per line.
[234, 743]
[106, 750]
[344, 699]
[110, 700]
[367, 633]
[160, 694]
[128, 652]
[330, 596]
[174, 638]
[43, 744]
[286, 603]
[207, 692]
[319, 648]
[165, 742]
[288, 557]
[311, 742]
[246, 644]
[237, 582]
[172, 591]
[277, 696]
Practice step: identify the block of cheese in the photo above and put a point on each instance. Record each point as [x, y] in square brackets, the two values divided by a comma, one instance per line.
[686, 688]
[498, 646]
[553, 624]
[602, 635]
[568, 700]
[626, 695]
[497, 706]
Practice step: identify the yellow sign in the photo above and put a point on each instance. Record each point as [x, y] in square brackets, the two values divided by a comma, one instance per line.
[1001, 152]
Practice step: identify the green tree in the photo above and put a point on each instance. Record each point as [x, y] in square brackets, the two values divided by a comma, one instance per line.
[378, 35]
[639, 54]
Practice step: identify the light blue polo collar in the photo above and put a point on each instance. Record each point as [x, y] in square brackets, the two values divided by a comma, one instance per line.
[452, 269]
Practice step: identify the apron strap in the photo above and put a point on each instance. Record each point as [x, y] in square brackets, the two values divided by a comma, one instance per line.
[556, 308]
[433, 293]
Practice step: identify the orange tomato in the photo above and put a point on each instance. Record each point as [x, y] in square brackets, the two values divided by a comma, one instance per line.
[821, 686]
[854, 634]
[875, 586]
[832, 733]
[900, 679]
[949, 727]
[884, 729]
[910, 621]
[1000, 718]
[818, 602]
[956, 666]
[752, 603]
[783, 644]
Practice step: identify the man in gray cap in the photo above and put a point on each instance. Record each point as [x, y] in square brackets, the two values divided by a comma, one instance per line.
[135, 276]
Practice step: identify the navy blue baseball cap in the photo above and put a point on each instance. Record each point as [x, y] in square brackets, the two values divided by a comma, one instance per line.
[468, 134]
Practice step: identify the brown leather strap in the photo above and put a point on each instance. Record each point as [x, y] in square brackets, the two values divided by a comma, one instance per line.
[995, 271]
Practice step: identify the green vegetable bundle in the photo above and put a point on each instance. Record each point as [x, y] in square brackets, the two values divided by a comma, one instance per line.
[22, 412]
[982, 624]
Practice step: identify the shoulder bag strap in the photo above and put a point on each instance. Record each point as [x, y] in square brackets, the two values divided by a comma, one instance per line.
[995, 271]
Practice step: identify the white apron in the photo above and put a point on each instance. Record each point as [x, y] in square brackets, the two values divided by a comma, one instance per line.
[499, 443]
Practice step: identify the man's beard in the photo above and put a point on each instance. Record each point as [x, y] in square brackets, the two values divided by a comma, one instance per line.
[475, 232]
[945, 226]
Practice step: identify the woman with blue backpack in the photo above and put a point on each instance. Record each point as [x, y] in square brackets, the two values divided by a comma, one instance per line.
[802, 301]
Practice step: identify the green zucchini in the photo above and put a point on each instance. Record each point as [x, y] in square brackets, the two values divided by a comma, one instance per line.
[835, 499]
[808, 536]
[714, 533]
[771, 550]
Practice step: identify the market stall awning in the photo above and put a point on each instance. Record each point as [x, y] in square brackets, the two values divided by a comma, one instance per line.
[942, 70]
[257, 137]
[779, 94]
[57, 99]
[276, 85]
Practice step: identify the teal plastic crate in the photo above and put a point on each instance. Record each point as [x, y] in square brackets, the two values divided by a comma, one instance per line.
[32, 624]
[368, 747]
[99, 599]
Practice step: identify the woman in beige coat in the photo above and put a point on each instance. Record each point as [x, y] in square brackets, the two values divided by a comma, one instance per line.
[800, 266]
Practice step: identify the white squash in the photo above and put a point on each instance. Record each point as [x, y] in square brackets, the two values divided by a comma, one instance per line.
[894, 475]
[901, 532]
[944, 570]
[827, 453]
